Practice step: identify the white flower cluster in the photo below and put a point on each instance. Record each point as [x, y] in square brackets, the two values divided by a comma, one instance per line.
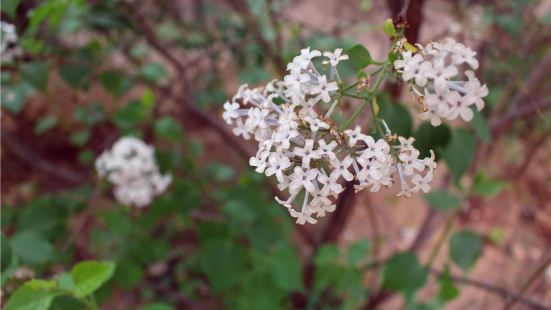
[307, 154]
[432, 73]
[130, 165]
[8, 42]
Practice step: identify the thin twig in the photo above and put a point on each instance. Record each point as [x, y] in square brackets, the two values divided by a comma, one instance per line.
[30, 158]
[536, 274]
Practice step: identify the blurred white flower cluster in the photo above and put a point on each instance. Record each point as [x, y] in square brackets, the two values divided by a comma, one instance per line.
[309, 156]
[130, 165]
[432, 73]
[8, 42]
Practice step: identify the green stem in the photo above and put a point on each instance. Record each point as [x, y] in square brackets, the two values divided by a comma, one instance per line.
[372, 92]
[442, 238]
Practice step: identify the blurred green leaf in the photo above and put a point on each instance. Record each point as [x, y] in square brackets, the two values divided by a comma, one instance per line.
[65, 281]
[88, 276]
[28, 298]
[448, 291]
[397, 117]
[6, 254]
[224, 262]
[487, 187]
[32, 248]
[327, 255]
[152, 72]
[220, 172]
[112, 81]
[442, 200]
[460, 152]
[80, 138]
[239, 212]
[358, 251]
[15, 96]
[45, 124]
[128, 274]
[10, 7]
[76, 75]
[36, 73]
[465, 248]
[86, 157]
[480, 126]
[286, 269]
[158, 306]
[359, 56]
[497, 235]
[429, 138]
[403, 273]
[169, 129]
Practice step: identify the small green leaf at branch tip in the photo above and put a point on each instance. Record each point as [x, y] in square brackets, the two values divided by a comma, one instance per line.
[410, 47]
[465, 248]
[486, 187]
[88, 276]
[388, 27]
[442, 200]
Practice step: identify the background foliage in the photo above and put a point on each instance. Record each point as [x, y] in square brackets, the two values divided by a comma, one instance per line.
[91, 71]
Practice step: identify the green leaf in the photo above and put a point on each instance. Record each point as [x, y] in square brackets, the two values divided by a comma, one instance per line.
[45, 124]
[220, 172]
[10, 7]
[29, 298]
[403, 273]
[448, 291]
[224, 262]
[88, 276]
[480, 126]
[239, 212]
[465, 248]
[442, 200]
[65, 281]
[286, 269]
[76, 75]
[358, 251]
[397, 117]
[113, 82]
[429, 138]
[32, 248]
[80, 138]
[460, 152]
[41, 284]
[327, 255]
[128, 275]
[36, 73]
[359, 56]
[6, 254]
[169, 129]
[487, 187]
[152, 72]
[388, 27]
[158, 306]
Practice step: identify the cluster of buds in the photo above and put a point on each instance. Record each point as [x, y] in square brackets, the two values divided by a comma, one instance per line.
[309, 156]
[432, 74]
[130, 165]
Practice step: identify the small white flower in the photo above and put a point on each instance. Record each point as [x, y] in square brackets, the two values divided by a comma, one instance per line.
[303, 178]
[307, 153]
[335, 57]
[323, 88]
[230, 111]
